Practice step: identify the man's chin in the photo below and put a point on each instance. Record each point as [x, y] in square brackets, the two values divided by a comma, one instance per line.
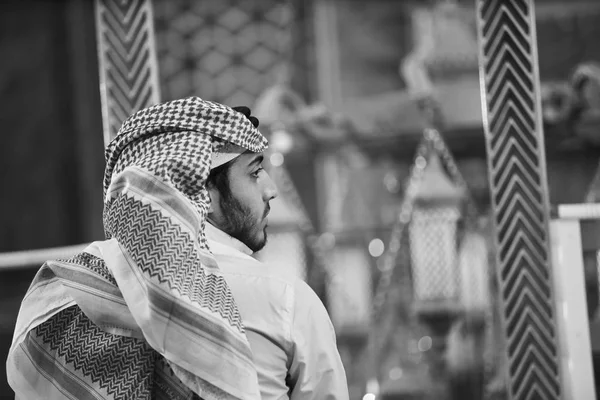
[259, 242]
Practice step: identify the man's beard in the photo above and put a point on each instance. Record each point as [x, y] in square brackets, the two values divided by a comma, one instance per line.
[240, 223]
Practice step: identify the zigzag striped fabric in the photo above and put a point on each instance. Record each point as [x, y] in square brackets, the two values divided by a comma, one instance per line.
[146, 313]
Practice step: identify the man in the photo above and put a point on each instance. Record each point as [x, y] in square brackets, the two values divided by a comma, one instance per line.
[145, 314]
[289, 330]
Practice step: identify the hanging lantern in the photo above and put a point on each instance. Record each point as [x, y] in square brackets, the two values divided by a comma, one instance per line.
[434, 257]
[433, 236]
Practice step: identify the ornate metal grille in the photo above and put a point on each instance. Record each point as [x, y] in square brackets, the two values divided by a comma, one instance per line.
[517, 168]
[127, 60]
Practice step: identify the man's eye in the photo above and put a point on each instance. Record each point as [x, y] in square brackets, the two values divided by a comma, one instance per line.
[257, 172]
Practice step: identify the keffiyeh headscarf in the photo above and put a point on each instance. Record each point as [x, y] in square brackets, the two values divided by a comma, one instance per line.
[146, 313]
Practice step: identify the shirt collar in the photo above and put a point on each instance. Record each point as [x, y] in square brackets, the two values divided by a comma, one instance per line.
[215, 234]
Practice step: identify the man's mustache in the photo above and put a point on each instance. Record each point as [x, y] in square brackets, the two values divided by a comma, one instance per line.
[267, 211]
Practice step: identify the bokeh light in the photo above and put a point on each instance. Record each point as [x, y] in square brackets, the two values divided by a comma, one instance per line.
[376, 247]
[425, 343]
[276, 159]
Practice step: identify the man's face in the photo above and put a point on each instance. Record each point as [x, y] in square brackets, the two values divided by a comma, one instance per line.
[242, 207]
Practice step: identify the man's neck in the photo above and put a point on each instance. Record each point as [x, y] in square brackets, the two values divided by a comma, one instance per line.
[215, 234]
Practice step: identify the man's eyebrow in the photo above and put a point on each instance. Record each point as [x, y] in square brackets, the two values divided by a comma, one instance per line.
[257, 160]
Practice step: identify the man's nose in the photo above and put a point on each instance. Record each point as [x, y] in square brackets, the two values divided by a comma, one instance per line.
[270, 190]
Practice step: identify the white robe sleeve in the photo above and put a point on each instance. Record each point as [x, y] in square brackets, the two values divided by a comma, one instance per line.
[316, 371]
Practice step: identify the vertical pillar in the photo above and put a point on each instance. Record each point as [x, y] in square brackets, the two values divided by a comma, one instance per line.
[510, 95]
[573, 326]
[127, 60]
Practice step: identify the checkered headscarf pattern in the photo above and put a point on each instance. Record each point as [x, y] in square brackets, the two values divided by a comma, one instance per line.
[175, 140]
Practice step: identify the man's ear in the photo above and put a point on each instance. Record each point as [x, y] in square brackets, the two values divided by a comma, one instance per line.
[214, 194]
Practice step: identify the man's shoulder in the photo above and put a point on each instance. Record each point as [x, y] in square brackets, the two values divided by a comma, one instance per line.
[272, 280]
[258, 271]
[307, 301]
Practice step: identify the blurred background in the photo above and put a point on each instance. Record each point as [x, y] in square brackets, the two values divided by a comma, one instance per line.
[373, 112]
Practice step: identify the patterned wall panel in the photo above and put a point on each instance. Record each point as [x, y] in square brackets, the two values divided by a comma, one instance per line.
[517, 168]
[127, 60]
[229, 51]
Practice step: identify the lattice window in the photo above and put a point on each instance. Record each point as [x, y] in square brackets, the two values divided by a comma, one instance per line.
[229, 51]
